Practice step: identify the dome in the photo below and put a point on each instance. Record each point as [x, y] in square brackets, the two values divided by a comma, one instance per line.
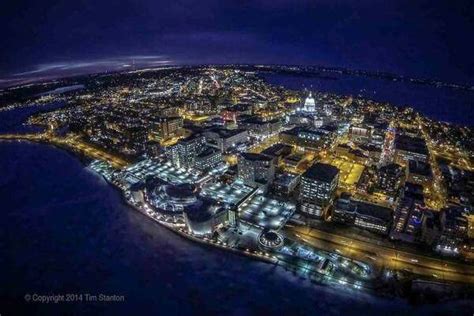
[270, 240]
[179, 194]
[309, 101]
[180, 191]
[200, 211]
[203, 216]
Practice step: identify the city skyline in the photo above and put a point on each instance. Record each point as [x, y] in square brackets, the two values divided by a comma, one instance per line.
[248, 157]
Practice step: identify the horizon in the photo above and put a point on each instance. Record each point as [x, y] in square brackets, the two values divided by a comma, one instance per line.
[59, 71]
[426, 39]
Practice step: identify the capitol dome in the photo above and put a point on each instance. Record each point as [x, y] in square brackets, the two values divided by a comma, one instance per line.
[309, 104]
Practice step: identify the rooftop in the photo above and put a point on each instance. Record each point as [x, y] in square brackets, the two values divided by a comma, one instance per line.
[321, 172]
[256, 157]
[277, 150]
[366, 209]
[266, 213]
[411, 144]
[231, 194]
[224, 132]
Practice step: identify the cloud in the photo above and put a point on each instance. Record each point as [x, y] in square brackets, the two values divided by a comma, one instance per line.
[62, 69]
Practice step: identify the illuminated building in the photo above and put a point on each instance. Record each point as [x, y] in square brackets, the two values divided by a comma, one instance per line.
[284, 184]
[410, 148]
[360, 134]
[454, 230]
[419, 172]
[309, 104]
[408, 216]
[258, 127]
[183, 154]
[208, 159]
[167, 127]
[270, 240]
[225, 139]
[318, 188]
[390, 178]
[205, 216]
[233, 113]
[307, 138]
[256, 169]
[365, 215]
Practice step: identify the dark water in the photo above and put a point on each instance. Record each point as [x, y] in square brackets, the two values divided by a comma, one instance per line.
[13, 121]
[65, 230]
[442, 104]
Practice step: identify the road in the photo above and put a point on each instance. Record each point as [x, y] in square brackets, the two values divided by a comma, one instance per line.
[72, 143]
[381, 255]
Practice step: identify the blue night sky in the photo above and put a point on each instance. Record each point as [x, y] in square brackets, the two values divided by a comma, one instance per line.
[419, 38]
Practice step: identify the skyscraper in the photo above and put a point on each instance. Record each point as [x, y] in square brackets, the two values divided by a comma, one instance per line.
[256, 169]
[318, 188]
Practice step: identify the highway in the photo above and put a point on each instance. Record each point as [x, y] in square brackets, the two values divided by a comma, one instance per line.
[384, 256]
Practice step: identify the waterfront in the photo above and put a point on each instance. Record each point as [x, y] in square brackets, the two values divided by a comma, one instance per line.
[65, 230]
[439, 103]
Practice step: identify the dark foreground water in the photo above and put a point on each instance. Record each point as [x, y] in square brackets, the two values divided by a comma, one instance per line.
[442, 104]
[65, 230]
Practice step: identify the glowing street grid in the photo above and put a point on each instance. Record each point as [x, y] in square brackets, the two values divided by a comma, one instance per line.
[231, 194]
[164, 171]
[267, 213]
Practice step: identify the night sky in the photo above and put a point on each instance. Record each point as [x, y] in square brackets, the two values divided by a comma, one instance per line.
[429, 38]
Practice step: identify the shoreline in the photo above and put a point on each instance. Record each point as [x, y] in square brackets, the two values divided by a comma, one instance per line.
[83, 159]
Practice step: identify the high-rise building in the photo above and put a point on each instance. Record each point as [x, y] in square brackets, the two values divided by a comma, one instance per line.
[184, 153]
[318, 188]
[410, 148]
[208, 159]
[390, 178]
[408, 215]
[419, 172]
[256, 169]
[167, 127]
[454, 230]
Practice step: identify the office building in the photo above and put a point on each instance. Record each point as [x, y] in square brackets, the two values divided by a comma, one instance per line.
[184, 153]
[167, 127]
[307, 138]
[256, 169]
[410, 148]
[285, 183]
[208, 159]
[318, 189]
[259, 127]
[371, 217]
[390, 178]
[419, 172]
[454, 230]
[225, 139]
